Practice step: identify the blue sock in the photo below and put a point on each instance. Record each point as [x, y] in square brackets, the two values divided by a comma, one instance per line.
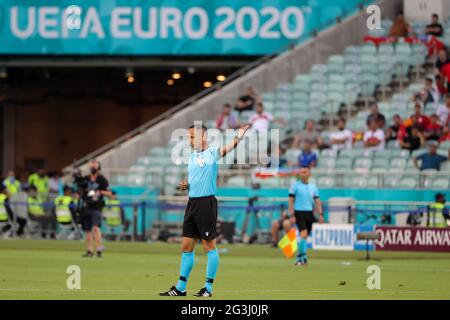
[302, 247]
[211, 268]
[187, 263]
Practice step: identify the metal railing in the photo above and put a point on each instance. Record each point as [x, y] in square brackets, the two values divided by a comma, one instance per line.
[342, 178]
[149, 218]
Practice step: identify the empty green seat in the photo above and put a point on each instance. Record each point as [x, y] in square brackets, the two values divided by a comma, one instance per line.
[391, 182]
[440, 184]
[362, 164]
[326, 182]
[398, 163]
[327, 163]
[408, 183]
[344, 163]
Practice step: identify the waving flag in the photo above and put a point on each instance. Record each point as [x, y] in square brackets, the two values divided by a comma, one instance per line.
[288, 243]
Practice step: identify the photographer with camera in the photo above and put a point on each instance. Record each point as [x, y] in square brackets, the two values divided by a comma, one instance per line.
[92, 189]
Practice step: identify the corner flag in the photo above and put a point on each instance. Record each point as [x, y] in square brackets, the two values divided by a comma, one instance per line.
[288, 243]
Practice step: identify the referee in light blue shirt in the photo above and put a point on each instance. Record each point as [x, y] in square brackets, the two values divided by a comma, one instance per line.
[303, 201]
[201, 212]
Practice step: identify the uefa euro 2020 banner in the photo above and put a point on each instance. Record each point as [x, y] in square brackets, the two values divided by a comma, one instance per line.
[161, 27]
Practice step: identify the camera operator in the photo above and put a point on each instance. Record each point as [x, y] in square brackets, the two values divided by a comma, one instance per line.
[92, 189]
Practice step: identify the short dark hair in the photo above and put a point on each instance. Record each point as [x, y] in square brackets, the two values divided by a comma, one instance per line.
[67, 188]
[227, 105]
[435, 15]
[195, 126]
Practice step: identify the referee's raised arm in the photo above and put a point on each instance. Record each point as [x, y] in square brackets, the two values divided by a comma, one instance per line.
[233, 144]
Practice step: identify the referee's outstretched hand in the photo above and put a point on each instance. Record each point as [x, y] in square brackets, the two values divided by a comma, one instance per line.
[242, 130]
[183, 185]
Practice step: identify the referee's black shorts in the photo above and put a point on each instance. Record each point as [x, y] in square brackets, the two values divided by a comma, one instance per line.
[304, 220]
[200, 218]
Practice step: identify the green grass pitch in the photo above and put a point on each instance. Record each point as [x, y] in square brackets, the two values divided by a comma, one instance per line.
[31, 269]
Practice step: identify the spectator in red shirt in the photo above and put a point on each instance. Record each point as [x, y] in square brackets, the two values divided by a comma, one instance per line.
[440, 85]
[434, 129]
[442, 60]
[394, 130]
[421, 120]
[445, 71]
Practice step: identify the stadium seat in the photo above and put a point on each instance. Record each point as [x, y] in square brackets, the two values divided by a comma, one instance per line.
[391, 182]
[380, 163]
[362, 164]
[292, 155]
[398, 163]
[440, 184]
[344, 163]
[328, 153]
[327, 163]
[326, 182]
[408, 183]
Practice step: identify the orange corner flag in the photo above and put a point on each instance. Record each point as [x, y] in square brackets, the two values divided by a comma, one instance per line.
[288, 243]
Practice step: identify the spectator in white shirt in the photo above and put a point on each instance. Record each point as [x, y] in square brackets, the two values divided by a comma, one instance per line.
[374, 138]
[444, 112]
[261, 120]
[342, 138]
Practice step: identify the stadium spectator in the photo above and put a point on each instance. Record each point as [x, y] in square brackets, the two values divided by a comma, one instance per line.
[11, 183]
[429, 94]
[247, 101]
[445, 72]
[308, 133]
[285, 224]
[443, 112]
[54, 182]
[437, 213]
[37, 213]
[374, 138]
[435, 28]
[430, 159]
[419, 118]
[4, 214]
[413, 140]
[400, 28]
[434, 129]
[39, 179]
[377, 116]
[440, 85]
[392, 132]
[261, 120]
[442, 60]
[307, 159]
[342, 138]
[226, 119]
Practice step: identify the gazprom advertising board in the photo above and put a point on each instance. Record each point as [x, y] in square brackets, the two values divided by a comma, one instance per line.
[161, 27]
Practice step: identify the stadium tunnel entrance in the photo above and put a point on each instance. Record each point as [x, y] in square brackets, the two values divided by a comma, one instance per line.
[56, 110]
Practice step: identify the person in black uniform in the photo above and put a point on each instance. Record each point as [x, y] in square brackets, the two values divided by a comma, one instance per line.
[92, 189]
